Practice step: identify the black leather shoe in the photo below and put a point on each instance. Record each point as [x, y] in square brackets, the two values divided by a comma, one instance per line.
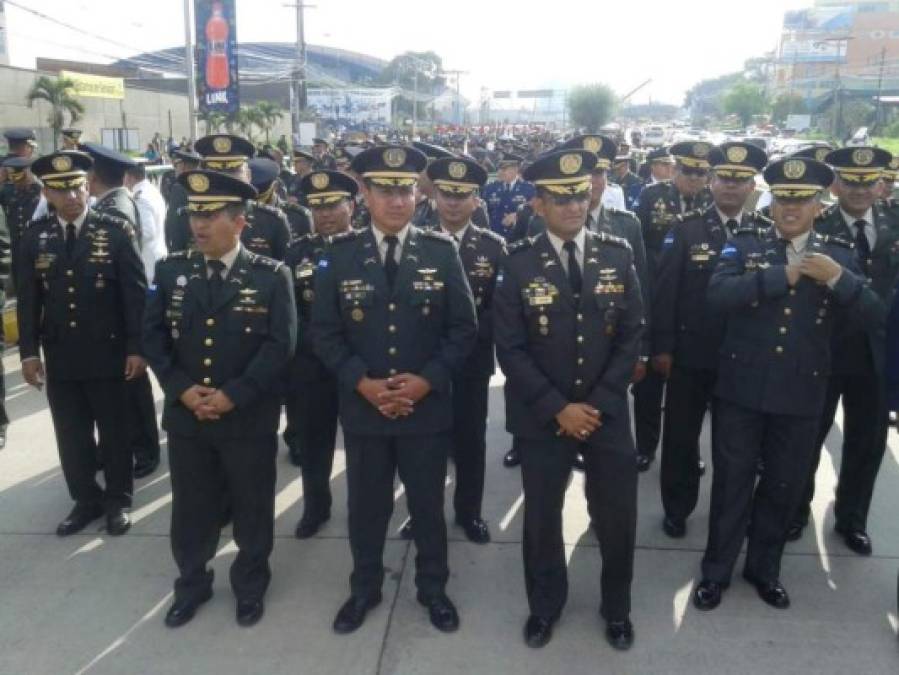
[442, 612]
[701, 467]
[643, 463]
[771, 592]
[794, 532]
[475, 529]
[578, 463]
[145, 467]
[707, 595]
[118, 522]
[310, 524]
[620, 634]
[538, 631]
[406, 530]
[511, 459]
[858, 541]
[674, 528]
[352, 614]
[183, 611]
[80, 517]
[249, 612]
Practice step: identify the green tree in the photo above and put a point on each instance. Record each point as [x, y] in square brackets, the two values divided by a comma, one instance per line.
[247, 118]
[269, 114]
[213, 120]
[418, 75]
[591, 105]
[744, 100]
[786, 105]
[60, 94]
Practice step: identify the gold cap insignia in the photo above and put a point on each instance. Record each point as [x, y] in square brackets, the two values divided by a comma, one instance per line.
[320, 181]
[198, 182]
[221, 144]
[794, 169]
[701, 149]
[570, 164]
[62, 163]
[457, 170]
[394, 157]
[592, 143]
[894, 163]
[821, 153]
[736, 154]
[863, 156]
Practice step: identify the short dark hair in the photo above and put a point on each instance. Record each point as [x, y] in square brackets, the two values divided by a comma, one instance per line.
[108, 175]
[138, 171]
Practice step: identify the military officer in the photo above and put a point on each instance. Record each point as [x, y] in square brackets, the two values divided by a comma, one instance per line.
[657, 208]
[105, 183]
[394, 320]
[568, 323]
[267, 232]
[264, 177]
[220, 328]
[312, 392]
[686, 333]
[456, 183]
[857, 374]
[5, 268]
[661, 168]
[22, 142]
[323, 159]
[19, 199]
[176, 199]
[303, 164]
[506, 194]
[81, 297]
[71, 138]
[783, 290]
[630, 182]
[888, 188]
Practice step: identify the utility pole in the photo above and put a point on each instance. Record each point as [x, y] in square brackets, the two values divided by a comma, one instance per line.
[883, 56]
[414, 102]
[189, 67]
[458, 106]
[298, 81]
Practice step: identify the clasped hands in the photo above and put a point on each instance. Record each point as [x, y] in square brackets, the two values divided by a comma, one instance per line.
[578, 420]
[816, 266]
[206, 403]
[394, 396]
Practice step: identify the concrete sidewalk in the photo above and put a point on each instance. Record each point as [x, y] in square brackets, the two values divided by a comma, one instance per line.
[94, 604]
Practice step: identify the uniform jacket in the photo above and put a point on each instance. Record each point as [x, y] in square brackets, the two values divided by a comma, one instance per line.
[776, 356]
[555, 349]
[119, 203]
[302, 259]
[425, 325]
[241, 343]
[658, 206]
[502, 200]
[683, 325]
[892, 355]
[85, 312]
[631, 185]
[267, 232]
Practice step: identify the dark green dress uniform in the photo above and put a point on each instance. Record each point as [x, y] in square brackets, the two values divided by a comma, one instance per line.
[311, 400]
[264, 177]
[236, 334]
[857, 374]
[480, 251]
[81, 298]
[558, 344]
[772, 382]
[657, 208]
[5, 269]
[424, 323]
[18, 200]
[143, 432]
[687, 330]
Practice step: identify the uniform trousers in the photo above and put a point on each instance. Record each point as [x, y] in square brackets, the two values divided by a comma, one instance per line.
[688, 397]
[143, 431]
[202, 467]
[745, 505]
[372, 464]
[469, 445]
[648, 395]
[610, 475]
[77, 408]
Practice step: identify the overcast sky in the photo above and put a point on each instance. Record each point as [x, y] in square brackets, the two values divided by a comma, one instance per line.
[502, 44]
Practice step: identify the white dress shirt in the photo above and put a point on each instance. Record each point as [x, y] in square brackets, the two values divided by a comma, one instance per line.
[456, 236]
[558, 245]
[227, 259]
[78, 223]
[382, 244]
[613, 197]
[151, 208]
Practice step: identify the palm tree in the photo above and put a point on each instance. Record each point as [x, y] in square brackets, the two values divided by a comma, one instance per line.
[270, 113]
[213, 120]
[248, 117]
[59, 93]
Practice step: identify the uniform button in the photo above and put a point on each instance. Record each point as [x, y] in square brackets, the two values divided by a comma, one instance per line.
[783, 330]
[392, 307]
[208, 342]
[788, 311]
[578, 383]
[207, 380]
[754, 303]
[580, 360]
[815, 373]
[822, 312]
[69, 273]
[819, 321]
[391, 328]
[792, 291]
[611, 304]
[580, 338]
[580, 317]
[392, 371]
[71, 289]
[392, 351]
[779, 349]
[733, 356]
[247, 329]
[71, 305]
[210, 322]
[207, 362]
[73, 323]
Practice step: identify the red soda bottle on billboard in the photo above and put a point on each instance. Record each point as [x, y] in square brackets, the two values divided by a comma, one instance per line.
[217, 72]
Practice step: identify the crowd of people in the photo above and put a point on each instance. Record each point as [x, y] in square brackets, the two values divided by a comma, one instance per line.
[375, 283]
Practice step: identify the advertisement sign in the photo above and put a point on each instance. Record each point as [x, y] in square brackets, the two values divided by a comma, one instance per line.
[216, 31]
[352, 105]
[803, 49]
[95, 86]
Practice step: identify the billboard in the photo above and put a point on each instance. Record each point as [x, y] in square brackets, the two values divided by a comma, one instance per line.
[835, 19]
[216, 31]
[807, 49]
[95, 86]
[352, 105]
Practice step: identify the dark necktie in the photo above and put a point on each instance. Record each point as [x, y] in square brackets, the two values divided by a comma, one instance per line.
[574, 270]
[732, 225]
[862, 245]
[70, 239]
[390, 265]
[688, 204]
[216, 267]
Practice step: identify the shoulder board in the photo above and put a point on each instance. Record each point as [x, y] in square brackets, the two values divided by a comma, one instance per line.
[47, 219]
[620, 213]
[266, 208]
[607, 238]
[290, 206]
[486, 233]
[109, 220]
[265, 261]
[761, 219]
[176, 256]
[687, 215]
[520, 245]
[836, 239]
[343, 237]
[434, 234]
